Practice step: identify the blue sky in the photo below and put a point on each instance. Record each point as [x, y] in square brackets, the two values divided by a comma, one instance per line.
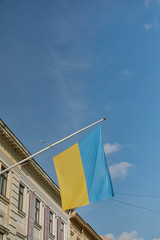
[66, 64]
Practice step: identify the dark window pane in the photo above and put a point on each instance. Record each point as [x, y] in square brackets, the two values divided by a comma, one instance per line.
[62, 231]
[37, 208]
[3, 182]
[51, 222]
[20, 200]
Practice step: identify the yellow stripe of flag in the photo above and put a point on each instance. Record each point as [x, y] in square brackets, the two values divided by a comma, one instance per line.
[71, 178]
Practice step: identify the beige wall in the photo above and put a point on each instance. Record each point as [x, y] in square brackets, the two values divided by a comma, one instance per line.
[13, 222]
[80, 230]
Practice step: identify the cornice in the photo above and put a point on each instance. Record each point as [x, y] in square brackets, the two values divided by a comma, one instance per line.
[14, 143]
[21, 152]
[86, 228]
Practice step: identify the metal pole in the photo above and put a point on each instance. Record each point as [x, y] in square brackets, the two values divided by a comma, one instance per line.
[52, 145]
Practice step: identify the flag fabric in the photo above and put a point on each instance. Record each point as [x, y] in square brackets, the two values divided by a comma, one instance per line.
[82, 172]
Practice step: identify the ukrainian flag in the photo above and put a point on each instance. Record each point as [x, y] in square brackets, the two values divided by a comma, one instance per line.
[82, 172]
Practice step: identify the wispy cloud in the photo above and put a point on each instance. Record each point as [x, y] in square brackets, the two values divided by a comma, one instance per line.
[126, 236]
[151, 25]
[147, 3]
[110, 236]
[69, 92]
[128, 73]
[111, 148]
[120, 170]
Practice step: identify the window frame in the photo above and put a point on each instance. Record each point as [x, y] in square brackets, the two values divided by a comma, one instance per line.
[37, 210]
[3, 182]
[21, 197]
[62, 231]
[51, 222]
[1, 236]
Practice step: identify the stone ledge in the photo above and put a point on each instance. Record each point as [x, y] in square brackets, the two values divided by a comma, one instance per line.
[51, 236]
[21, 235]
[4, 199]
[4, 230]
[39, 227]
[21, 213]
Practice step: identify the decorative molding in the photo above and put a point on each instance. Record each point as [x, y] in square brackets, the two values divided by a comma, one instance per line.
[4, 199]
[51, 236]
[39, 227]
[84, 228]
[4, 230]
[20, 235]
[21, 213]
[18, 150]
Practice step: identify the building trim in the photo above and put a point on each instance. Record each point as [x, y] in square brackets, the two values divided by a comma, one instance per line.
[85, 227]
[4, 230]
[23, 153]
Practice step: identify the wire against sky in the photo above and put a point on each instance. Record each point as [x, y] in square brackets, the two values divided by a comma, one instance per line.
[135, 206]
[138, 195]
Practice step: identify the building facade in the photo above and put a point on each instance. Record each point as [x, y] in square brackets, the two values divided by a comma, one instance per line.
[30, 205]
[80, 230]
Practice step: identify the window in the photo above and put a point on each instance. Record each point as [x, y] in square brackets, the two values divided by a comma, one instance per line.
[62, 231]
[50, 222]
[20, 199]
[72, 234]
[1, 236]
[3, 182]
[37, 209]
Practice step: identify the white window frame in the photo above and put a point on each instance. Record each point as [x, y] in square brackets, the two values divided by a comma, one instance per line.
[37, 210]
[21, 195]
[3, 178]
[63, 224]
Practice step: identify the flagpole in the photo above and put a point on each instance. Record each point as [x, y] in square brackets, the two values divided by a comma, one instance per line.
[52, 145]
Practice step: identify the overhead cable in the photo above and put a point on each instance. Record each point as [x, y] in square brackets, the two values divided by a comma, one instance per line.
[137, 195]
[135, 206]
